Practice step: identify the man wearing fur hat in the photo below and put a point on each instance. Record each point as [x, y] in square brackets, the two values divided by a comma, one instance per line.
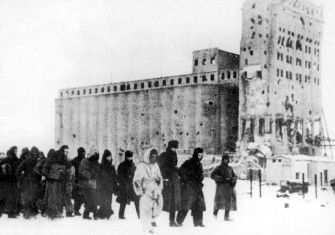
[225, 180]
[88, 176]
[171, 192]
[125, 175]
[148, 185]
[192, 196]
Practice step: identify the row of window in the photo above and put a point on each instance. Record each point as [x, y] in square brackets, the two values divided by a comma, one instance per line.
[204, 61]
[298, 45]
[289, 75]
[300, 36]
[150, 84]
[298, 62]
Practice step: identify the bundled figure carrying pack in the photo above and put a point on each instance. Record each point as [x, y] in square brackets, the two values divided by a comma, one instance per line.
[168, 162]
[192, 196]
[225, 180]
[88, 176]
[107, 185]
[125, 175]
[148, 185]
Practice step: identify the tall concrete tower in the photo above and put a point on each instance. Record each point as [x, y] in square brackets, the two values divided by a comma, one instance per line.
[280, 93]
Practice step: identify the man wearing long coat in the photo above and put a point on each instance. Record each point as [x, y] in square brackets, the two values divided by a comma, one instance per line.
[8, 182]
[77, 194]
[225, 180]
[192, 196]
[30, 185]
[125, 176]
[167, 162]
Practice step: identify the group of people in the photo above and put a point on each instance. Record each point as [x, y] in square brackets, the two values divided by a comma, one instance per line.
[32, 184]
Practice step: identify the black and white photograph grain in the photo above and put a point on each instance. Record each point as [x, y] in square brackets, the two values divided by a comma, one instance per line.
[184, 117]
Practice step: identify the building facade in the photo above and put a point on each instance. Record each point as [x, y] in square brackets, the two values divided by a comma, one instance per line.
[279, 89]
[197, 109]
[269, 94]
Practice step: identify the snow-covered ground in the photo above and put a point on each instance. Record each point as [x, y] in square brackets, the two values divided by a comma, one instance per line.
[266, 215]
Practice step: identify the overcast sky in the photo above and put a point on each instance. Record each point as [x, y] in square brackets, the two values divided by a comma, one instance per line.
[46, 45]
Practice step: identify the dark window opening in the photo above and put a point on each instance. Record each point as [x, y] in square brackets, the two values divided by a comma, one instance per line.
[196, 62]
[122, 87]
[204, 61]
[156, 83]
[115, 88]
[212, 77]
[259, 74]
[72, 92]
[213, 60]
[228, 75]
[195, 79]
[142, 85]
[279, 128]
[223, 75]
[84, 91]
[78, 92]
[149, 84]
[171, 82]
[235, 74]
[204, 79]
[187, 80]
[251, 52]
[261, 127]
[164, 83]
[109, 89]
[128, 86]
[135, 86]
[244, 123]
[90, 91]
[102, 90]
[179, 80]
[96, 90]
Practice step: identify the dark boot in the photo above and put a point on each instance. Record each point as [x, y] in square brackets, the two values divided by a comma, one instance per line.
[86, 215]
[69, 214]
[77, 213]
[215, 212]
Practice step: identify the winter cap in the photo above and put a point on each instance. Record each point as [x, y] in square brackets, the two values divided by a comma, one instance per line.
[128, 154]
[64, 147]
[107, 153]
[225, 157]
[93, 150]
[196, 151]
[80, 151]
[173, 144]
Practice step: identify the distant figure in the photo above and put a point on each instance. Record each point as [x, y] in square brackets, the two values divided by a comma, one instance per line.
[8, 182]
[191, 177]
[55, 170]
[148, 185]
[77, 193]
[225, 180]
[125, 175]
[107, 185]
[88, 176]
[171, 192]
[30, 183]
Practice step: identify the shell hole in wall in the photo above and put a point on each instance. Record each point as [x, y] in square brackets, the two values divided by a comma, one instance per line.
[175, 111]
[198, 133]
[180, 133]
[74, 136]
[201, 123]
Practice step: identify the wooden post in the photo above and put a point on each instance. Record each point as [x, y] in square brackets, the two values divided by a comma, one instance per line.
[303, 185]
[250, 175]
[260, 182]
[316, 185]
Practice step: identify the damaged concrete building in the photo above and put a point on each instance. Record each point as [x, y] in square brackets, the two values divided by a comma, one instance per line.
[280, 92]
[197, 109]
[270, 94]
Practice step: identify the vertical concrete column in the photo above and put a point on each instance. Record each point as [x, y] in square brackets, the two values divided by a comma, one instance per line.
[189, 120]
[66, 121]
[133, 123]
[154, 118]
[75, 138]
[58, 122]
[122, 120]
[92, 122]
[112, 125]
[101, 123]
[83, 114]
[198, 115]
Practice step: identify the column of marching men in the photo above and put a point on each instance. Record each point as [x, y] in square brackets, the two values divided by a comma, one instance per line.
[33, 184]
